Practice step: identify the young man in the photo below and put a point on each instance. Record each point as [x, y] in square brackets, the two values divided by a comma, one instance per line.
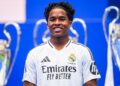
[60, 62]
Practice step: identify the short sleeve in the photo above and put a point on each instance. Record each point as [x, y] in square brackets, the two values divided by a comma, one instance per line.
[90, 70]
[30, 69]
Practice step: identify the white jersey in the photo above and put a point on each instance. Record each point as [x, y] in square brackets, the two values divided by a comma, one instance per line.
[71, 66]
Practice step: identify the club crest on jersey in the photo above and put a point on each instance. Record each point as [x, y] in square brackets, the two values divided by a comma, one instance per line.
[72, 58]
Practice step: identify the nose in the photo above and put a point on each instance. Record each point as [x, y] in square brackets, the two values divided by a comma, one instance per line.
[57, 22]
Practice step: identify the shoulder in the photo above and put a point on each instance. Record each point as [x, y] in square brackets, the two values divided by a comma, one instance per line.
[80, 46]
[82, 50]
[37, 49]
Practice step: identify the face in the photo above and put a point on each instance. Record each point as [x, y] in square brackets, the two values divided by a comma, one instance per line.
[58, 22]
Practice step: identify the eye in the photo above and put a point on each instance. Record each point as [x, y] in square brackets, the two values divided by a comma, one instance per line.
[62, 18]
[52, 19]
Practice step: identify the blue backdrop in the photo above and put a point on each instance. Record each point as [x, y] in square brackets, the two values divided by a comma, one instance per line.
[90, 11]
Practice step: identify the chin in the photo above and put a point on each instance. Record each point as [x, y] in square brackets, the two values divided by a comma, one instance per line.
[57, 35]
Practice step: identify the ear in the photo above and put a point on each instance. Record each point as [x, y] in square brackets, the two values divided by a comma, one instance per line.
[70, 24]
[47, 25]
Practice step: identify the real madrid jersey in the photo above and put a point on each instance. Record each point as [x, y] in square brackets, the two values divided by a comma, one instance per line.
[71, 66]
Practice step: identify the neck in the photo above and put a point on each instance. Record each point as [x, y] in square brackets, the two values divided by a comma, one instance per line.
[59, 42]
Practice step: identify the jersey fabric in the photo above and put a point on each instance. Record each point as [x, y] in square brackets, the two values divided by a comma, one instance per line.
[71, 66]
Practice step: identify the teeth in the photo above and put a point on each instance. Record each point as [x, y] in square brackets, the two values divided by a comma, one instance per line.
[57, 29]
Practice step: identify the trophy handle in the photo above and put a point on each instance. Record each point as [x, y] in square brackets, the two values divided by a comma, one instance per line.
[45, 38]
[84, 28]
[8, 37]
[39, 22]
[107, 10]
[109, 81]
[17, 27]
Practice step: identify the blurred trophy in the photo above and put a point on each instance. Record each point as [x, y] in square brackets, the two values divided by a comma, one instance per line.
[116, 43]
[6, 64]
[113, 40]
[46, 35]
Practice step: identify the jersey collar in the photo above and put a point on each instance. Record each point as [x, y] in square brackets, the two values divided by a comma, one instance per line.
[52, 46]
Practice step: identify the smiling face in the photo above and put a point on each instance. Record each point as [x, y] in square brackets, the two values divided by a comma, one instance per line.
[58, 22]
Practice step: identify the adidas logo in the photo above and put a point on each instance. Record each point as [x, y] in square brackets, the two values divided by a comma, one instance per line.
[46, 59]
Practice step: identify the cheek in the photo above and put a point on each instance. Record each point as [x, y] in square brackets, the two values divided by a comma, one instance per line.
[67, 26]
[49, 25]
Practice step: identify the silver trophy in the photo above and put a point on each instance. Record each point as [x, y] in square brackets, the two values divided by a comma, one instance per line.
[6, 64]
[116, 43]
[113, 40]
[46, 34]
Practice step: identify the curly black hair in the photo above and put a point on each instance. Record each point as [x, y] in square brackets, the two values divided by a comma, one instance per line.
[64, 5]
